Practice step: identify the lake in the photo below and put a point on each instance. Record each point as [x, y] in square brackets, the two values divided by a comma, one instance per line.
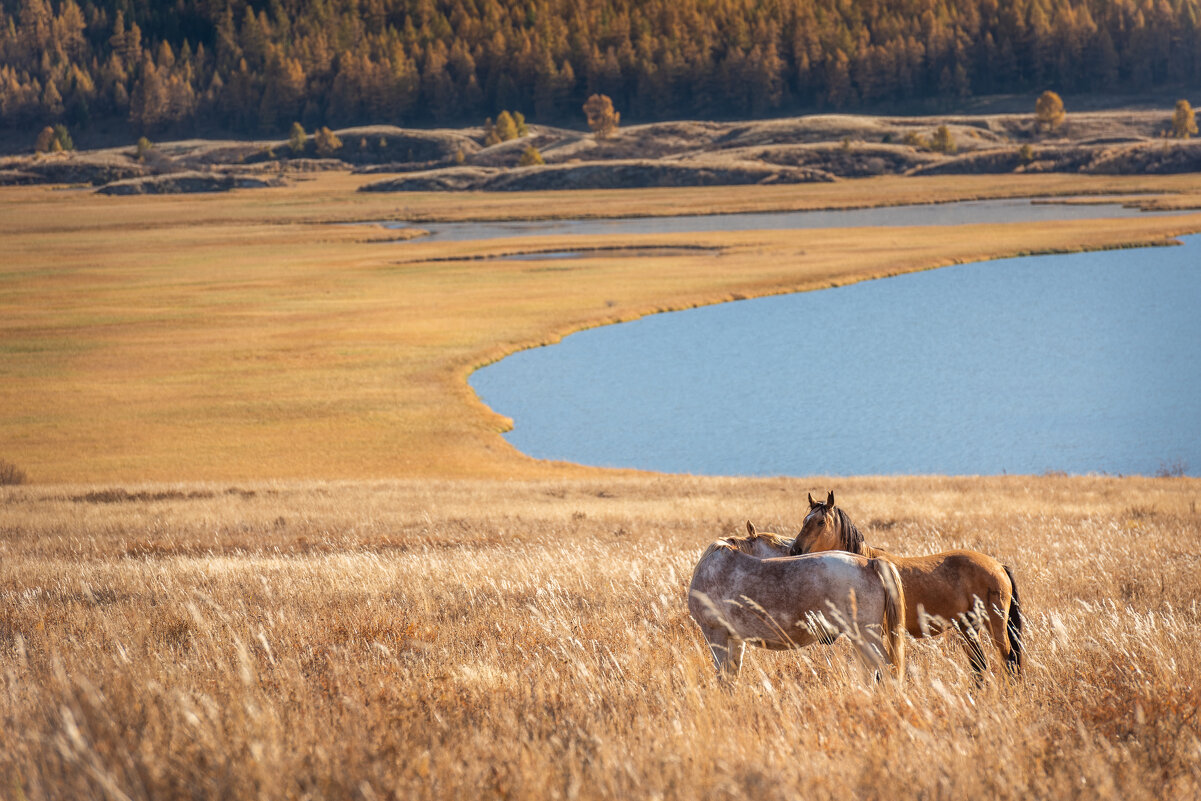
[1080, 363]
[961, 213]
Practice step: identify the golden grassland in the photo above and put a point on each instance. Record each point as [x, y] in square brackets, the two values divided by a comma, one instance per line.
[493, 639]
[242, 336]
[197, 617]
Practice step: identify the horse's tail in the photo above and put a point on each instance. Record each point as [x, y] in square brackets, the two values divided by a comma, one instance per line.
[1013, 662]
[894, 614]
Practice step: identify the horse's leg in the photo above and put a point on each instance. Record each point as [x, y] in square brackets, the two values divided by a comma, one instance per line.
[717, 639]
[998, 629]
[969, 636]
[870, 661]
[734, 661]
[870, 654]
[726, 650]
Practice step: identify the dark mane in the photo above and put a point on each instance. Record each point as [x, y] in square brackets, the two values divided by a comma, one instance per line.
[849, 538]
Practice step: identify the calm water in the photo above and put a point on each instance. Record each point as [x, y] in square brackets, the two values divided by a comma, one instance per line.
[977, 211]
[1081, 363]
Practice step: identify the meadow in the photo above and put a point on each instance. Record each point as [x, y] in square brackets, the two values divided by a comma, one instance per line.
[273, 547]
[498, 639]
[248, 335]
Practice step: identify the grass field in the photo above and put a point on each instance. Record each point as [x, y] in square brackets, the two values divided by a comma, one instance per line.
[490, 639]
[273, 547]
[241, 336]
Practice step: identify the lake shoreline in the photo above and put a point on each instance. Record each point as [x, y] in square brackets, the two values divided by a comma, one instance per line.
[595, 378]
[255, 340]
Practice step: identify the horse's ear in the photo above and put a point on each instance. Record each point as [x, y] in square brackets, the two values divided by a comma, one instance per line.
[750, 528]
[830, 499]
[812, 503]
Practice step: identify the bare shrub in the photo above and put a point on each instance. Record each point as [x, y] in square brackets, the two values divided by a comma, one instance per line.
[10, 474]
[1173, 469]
[1048, 111]
[602, 118]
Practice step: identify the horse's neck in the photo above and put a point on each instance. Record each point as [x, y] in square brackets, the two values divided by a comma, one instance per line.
[852, 538]
[864, 549]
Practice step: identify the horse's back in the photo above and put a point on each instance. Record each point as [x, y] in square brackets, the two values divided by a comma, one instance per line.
[959, 561]
[948, 584]
[789, 589]
[731, 573]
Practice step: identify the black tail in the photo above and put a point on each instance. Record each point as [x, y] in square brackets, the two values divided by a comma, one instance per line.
[1014, 625]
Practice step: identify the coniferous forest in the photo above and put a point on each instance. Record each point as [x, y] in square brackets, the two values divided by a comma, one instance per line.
[255, 67]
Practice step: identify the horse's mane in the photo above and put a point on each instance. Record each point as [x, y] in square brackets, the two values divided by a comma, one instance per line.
[777, 541]
[713, 546]
[849, 538]
[742, 543]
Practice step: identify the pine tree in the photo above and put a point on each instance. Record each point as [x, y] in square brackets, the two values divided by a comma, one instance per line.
[530, 157]
[149, 104]
[62, 137]
[297, 139]
[506, 127]
[491, 137]
[52, 101]
[327, 142]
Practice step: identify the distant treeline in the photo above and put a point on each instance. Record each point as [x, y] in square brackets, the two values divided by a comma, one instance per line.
[255, 67]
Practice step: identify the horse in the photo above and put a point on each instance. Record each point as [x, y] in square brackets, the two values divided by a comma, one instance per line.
[963, 590]
[787, 602]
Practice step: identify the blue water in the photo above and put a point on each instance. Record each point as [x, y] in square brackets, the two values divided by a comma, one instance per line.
[1080, 363]
[961, 213]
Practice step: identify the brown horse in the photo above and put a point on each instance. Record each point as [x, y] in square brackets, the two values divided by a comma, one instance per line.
[779, 603]
[964, 590]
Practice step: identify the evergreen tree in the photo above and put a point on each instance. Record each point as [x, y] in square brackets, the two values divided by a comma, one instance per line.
[327, 142]
[297, 139]
[52, 101]
[506, 127]
[491, 137]
[530, 156]
[62, 138]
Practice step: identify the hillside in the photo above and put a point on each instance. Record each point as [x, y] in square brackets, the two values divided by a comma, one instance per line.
[253, 67]
[817, 148]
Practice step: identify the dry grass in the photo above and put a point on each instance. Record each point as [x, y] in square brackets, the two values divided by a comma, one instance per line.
[239, 337]
[430, 639]
[446, 638]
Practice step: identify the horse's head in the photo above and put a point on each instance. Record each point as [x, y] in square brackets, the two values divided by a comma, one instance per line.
[761, 544]
[826, 528]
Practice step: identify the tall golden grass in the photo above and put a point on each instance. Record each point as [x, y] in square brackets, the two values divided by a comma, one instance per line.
[451, 639]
